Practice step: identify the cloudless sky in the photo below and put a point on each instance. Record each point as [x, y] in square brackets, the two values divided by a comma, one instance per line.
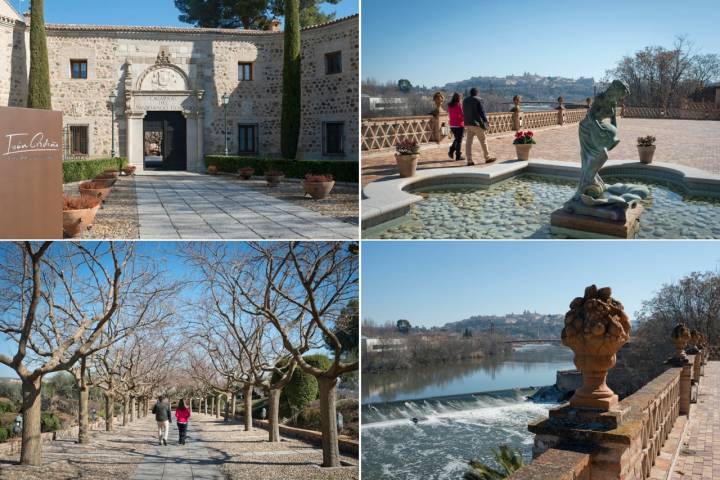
[434, 42]
[432, 283]
[134, 12]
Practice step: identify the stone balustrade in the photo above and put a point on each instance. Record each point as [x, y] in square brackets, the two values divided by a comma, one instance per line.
[383, 133]
[695, 113]
[623, 442]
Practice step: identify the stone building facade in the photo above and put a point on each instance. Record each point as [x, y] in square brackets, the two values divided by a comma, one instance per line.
[170, 85]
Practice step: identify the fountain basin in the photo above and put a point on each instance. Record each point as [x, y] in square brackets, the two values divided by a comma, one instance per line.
[516, 199]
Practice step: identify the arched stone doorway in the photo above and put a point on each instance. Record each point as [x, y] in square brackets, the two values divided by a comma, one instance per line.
[162, 105]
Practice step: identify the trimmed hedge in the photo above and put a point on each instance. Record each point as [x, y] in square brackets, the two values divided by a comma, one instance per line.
[343, 171]
[78, 170]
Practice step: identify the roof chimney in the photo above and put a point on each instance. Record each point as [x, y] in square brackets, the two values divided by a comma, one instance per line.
[275, 25]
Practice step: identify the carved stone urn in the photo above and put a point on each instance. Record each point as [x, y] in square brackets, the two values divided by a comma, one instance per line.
[680, 337]
[595, 328]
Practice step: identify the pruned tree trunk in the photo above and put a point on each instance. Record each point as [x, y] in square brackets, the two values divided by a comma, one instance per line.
[274, 400]
[31, 451]
[328, 422]
[247, 394]
[125, 410]
[233, 406]
[217, 407]
[133, 414]
[83, 418]
[109, 412]
[226, 410]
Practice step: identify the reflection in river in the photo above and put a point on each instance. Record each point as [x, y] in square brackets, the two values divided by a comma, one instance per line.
[462, 424]
[531, 365]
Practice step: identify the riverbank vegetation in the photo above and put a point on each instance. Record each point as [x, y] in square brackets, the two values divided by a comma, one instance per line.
[391, 349]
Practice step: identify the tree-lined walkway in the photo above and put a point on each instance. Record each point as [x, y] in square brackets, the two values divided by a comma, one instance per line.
[699, 456]
[214, 450]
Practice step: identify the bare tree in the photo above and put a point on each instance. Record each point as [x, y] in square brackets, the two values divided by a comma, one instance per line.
[301, 289]
[56, 301]
[242, 344]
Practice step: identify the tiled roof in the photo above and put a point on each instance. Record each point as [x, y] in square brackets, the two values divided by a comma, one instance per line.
[190, 30]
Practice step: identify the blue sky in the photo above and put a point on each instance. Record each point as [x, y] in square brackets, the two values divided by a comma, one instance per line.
[133, 12]
[432, 43]
[432, 283]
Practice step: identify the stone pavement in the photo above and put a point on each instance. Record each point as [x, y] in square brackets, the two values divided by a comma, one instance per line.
[686, 142]
[214, 450]
[183, 205]
[699, 456]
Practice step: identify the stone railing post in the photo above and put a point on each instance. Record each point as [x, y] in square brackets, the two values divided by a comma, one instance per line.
[680, 337]
[517, 113]
[561, 111]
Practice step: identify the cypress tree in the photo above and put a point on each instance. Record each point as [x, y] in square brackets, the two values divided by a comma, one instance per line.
[39, 82]
[290, 119]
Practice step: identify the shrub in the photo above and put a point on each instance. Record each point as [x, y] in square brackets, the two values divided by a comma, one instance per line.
[318, 361]
[79, 203]
[49, 422]
[6, 406]
[5, 433]
[343, 171]
[78, 170]
[407, 146]
[302, 389]
[311, 178]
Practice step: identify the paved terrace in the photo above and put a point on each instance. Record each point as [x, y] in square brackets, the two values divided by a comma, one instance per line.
[699, 456]
[182, 205]
[686, 142]
[214, 451]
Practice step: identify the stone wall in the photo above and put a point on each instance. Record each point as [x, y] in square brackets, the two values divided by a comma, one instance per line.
[14, 52]
[118, 58]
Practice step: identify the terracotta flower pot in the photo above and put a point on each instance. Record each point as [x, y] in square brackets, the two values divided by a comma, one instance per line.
[129, 169]
[106, 182]
[274, 180]
[111, 173]
[212, 169]
[523, 151]
[646, 153]
[318, 190]
[407, 164]
[99, 193]
[105, 177]
[246, 173]
[77, 221]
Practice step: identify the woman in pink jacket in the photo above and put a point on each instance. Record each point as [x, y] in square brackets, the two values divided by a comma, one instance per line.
[457, 125]
[182, 414]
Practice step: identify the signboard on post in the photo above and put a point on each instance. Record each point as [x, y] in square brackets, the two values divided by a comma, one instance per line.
[31, 180]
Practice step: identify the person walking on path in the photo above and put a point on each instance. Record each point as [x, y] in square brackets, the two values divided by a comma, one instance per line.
[476, 123]
[163, 415]
[182, 415]
[457, 126]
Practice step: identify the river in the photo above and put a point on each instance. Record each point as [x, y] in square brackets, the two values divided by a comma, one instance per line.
[463, 410]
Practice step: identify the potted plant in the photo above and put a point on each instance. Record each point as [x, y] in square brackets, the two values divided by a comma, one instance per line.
[646, 148]
[111, 172]
[274, 177]
[406, 156]
[129, 170]
[246, 173]
[78, 214]
[318, 186]
[212, 169]
[95, 189]
[523, 143]
[106, 177]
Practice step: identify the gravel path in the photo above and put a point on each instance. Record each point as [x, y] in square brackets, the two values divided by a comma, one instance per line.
[118, 217]
[214, 450]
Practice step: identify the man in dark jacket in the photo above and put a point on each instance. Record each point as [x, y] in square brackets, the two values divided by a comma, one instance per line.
[163, 415]
[476, 123]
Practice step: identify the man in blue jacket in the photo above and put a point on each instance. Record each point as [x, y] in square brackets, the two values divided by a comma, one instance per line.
[476, 123]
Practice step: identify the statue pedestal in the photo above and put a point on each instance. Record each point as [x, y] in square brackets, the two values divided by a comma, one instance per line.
[574, 225]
